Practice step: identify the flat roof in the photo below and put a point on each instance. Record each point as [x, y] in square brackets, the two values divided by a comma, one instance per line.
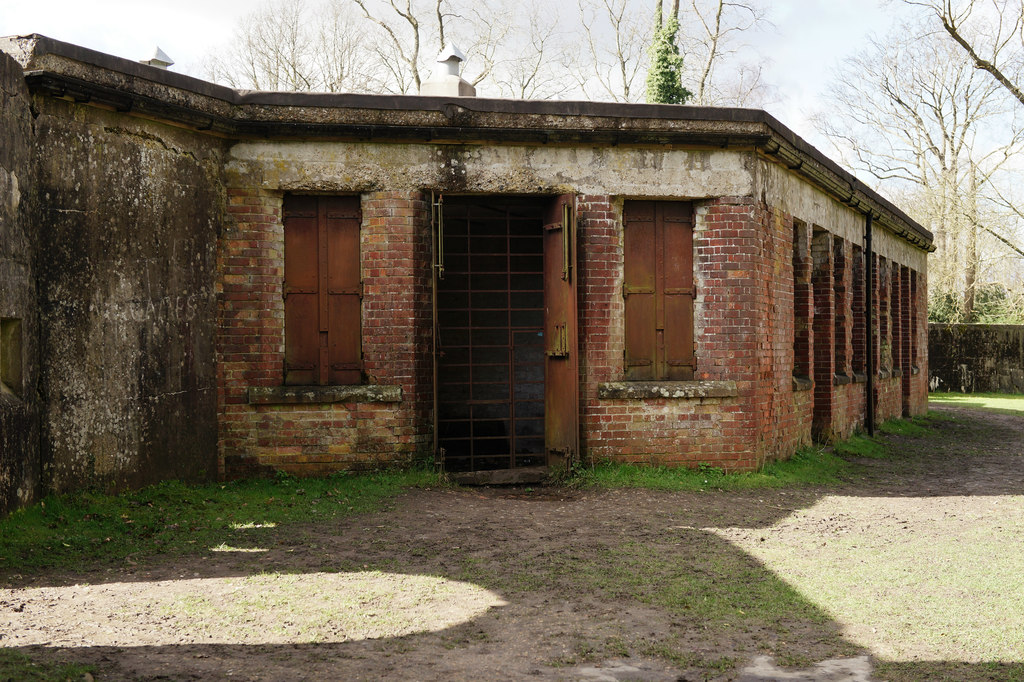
[65, 70]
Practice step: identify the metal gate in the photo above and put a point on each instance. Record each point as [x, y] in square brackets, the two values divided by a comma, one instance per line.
[491, 343]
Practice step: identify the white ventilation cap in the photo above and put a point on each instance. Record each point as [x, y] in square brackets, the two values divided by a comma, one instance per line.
[444, 80]
[159, 59]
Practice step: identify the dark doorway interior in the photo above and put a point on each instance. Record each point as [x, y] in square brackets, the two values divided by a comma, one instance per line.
[490, 334]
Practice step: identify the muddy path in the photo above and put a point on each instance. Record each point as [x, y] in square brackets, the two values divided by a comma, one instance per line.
[548, 583]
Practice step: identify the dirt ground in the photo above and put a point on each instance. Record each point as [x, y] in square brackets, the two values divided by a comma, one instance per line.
[529, 583]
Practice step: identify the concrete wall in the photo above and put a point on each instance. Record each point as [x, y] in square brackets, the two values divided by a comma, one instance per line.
[981, 358]
[128, 213]
[19, 324]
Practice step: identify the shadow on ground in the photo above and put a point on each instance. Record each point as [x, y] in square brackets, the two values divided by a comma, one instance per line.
[511, 584]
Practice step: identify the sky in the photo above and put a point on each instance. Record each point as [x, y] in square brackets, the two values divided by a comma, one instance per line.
[808, 39]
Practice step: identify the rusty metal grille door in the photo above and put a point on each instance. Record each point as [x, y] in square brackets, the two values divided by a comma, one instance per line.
[490, 335]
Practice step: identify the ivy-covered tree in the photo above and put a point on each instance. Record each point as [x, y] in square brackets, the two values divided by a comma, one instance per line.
[665, 74]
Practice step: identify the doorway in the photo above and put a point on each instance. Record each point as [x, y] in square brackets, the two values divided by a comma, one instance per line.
[493, 338]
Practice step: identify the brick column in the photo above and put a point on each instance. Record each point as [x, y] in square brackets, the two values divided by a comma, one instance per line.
[249, 339]
[822, 280]
[397, 314]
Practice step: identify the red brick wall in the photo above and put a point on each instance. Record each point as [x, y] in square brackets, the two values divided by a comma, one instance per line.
[823, 340]
[850, 409]
[307, 439]
[744, 333]
[783, 416]
[890, 398]
[919, 344]
[669, 431]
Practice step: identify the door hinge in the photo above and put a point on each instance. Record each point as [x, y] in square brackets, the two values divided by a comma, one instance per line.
[560, 339]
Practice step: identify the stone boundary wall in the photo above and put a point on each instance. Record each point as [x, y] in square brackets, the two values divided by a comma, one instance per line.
[19, 402]
[976, 358]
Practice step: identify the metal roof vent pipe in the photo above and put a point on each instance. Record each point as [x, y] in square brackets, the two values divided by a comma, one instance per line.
[159, 59]
[444, 80]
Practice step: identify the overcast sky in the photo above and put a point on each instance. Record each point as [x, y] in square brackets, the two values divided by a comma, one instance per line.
[808, 39]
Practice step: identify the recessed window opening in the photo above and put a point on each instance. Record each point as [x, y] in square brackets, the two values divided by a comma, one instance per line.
[842, 306]
[322, 290]
[658, 290]
[11, 368]
[897, 317]
[802, 303]
[884, 339]
[860, 354]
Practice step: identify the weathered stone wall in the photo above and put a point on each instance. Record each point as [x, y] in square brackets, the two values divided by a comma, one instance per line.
[19, 328]
[128, 213]
[976, 358]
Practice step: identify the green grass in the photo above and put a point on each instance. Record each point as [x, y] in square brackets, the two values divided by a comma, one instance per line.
[808, 466]
[861, 445]
[15, 665]
[993, 402]
[69, 530]
[911, 426]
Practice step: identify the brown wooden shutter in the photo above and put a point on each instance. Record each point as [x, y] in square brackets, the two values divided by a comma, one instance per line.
[638, 290]
[322, 290]
[343, 290]
[676, 316]
[301, 291]
[658, 290]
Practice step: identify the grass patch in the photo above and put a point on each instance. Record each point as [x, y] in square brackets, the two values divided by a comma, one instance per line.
[860, 445]
[909, 592]
[915, 427]
[992, 402]
[808, 466]
[68, 530]
[15, 665]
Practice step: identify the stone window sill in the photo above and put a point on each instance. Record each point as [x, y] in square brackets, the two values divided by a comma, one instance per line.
[801, 383]
[319, 395]
[655, 390]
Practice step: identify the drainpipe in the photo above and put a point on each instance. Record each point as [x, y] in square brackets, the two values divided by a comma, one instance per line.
[869, 304]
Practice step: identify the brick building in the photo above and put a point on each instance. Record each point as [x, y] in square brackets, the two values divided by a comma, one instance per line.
[313, 282]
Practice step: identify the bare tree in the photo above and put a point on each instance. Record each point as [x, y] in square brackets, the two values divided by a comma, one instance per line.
[531, 68]
[269, 51]
[917, 115]
[283, 45]
[990, 33]
[711, 30]
[402, 31]
[612, 57]
[523, 50]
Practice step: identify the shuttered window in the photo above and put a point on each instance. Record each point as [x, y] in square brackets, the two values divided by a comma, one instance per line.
[658, 290]
[322, 290]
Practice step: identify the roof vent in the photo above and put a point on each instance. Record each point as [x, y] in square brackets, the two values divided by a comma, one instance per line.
[444, 80]
[159, 59]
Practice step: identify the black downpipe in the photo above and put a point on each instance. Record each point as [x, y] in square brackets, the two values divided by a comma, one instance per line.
[869, 301]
